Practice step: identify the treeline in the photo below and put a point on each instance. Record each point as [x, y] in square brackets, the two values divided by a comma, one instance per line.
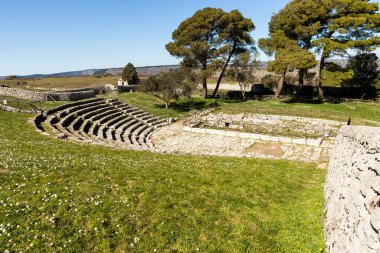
[303, 36]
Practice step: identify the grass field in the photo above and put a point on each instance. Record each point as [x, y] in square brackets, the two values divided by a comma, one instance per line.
[64, 196]
[61, 82]
[68, 197]
[361, 113]
[30, 105]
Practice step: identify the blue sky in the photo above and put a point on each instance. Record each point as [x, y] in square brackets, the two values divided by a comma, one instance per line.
[44, 36]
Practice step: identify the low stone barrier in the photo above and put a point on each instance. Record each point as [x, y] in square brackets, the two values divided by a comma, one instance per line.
[13, 109]
[47, 96]
[352, 192]
[23, 94]
[262, 137]
[127, 88]
[70, 96]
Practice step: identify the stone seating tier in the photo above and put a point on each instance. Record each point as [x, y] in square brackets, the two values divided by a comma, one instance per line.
[109, 122]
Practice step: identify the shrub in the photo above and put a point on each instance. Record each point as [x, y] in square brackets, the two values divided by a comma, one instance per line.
[170, 85]
[270, 81]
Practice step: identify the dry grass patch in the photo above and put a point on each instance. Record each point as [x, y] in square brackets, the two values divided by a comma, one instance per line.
[266, 148]
[4, 171]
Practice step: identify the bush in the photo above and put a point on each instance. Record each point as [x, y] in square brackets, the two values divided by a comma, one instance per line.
[170, 85]
[270, 81]
[365, 68]
[22, 83]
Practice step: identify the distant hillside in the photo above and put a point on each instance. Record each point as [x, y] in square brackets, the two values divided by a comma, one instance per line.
[142, 71]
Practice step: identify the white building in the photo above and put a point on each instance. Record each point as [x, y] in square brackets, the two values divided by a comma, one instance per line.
[120, 82]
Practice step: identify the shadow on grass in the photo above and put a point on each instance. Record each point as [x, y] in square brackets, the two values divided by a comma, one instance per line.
[303, 101]
[188, 105]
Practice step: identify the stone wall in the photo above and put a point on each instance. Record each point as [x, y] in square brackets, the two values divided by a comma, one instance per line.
[70, 96]
[260, 137]
[24, 94]
[352, 192]
[127, 88]
[13, 109]
[47, 96]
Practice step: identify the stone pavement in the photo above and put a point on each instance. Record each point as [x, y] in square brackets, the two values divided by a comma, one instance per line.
[172, 139]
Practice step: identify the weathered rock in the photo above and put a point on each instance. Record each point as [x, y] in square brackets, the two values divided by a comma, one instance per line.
[62, 136]
[352, 192]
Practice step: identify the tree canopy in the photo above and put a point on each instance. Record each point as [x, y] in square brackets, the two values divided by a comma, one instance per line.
[328, 28]
[209, 39]
[365, 68]
[129, 74]
[289, 56]
[170, 85]
[241, 70]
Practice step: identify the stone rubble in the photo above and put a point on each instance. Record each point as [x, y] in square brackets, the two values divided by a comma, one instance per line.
[270, 124]
[173, 139]
[352, 192]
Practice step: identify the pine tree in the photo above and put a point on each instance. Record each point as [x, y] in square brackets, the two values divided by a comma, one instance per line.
[289, 56]
[209, 40]
[331, 27]
[129, 74]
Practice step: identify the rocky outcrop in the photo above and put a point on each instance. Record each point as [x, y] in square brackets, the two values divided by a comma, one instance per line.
[352, 192]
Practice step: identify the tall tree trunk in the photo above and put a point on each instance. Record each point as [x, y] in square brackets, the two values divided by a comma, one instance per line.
[204, 82]
[280, 85]
[204, 88]
[301, 78]
[223, 70]
[167, 104]
[242, 89]
[321, 67]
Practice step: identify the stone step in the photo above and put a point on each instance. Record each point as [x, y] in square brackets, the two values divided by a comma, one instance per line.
[125, 135]
[148, 141]
[66, 131]
[84, 106]
[122, 122]
[125, 107]
[96, 112]
[66, 106]
[147, 117]
[86, 127]
[110, 117]
[89, 109]
[135, 134]
[100, 116]
[117, 120]
[76, 125]
[143, 137]
[115, 103]
[110, 123]
[66, 121]
[139, 113]
[120, 131]
[131, 110]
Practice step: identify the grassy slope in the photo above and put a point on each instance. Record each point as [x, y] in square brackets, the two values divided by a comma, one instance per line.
[363, 113]
[62, 82]
[26, 104]
[61, 196]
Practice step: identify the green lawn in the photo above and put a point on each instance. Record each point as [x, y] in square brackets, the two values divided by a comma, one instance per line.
[149, 103]
[68, 197]
[361, 113]
[30, 105]
[61, 82]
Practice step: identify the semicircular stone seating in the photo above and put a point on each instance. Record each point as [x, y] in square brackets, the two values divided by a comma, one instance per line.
[108, 122]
